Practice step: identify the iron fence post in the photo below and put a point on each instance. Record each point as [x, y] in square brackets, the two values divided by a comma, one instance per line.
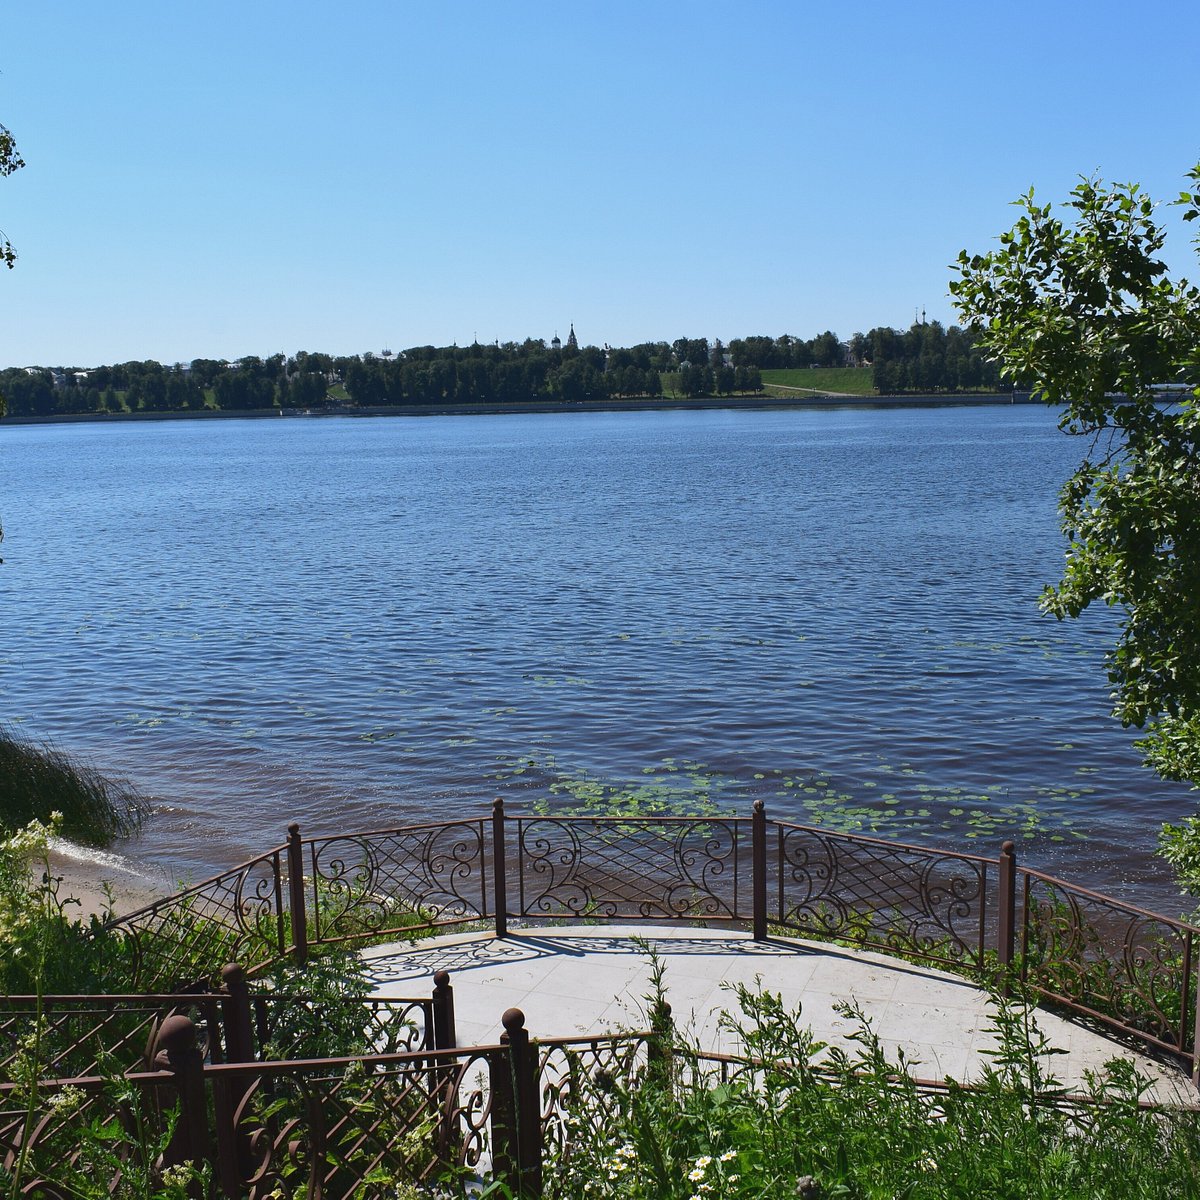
[233, 1148]
[516, 1115]
[1006, 905]
[1187, 983]
[177, 1051]
[296, 899]
[444, 1035]
[758, 869]
[499, 866]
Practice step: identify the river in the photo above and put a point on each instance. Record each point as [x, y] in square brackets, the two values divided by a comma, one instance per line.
[357, 623]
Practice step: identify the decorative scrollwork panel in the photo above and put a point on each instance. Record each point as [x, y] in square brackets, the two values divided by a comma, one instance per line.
[582, 1082]
[889, 897]
[1129, 968]
[372, 883]
[630, 869]
[360, 1130]
[296, 1026]
[234, 917]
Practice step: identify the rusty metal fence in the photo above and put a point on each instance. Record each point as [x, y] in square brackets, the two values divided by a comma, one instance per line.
[1131, 970]
[334, 1127]
[356, 1127]
[1135, 971]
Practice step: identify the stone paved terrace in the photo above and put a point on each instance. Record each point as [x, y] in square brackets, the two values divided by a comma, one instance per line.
[574, 980]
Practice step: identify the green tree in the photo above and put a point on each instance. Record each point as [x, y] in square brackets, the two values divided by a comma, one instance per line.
[10, 161]
[1086, 312]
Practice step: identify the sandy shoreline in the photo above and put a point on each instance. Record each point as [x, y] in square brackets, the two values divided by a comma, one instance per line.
[85, 874]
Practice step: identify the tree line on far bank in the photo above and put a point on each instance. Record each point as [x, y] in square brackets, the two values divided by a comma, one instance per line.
[926, 358]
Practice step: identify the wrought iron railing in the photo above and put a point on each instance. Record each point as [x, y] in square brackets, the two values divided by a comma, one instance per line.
[357, 1126]
[615, 869]
[1132, 970]
[80, 1035]
[393, 881]
[237, 916]
[882, 895]
[1135, 971]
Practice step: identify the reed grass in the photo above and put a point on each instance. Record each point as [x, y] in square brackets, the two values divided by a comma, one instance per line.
[38, 779]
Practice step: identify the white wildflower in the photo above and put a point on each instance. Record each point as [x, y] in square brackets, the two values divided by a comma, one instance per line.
[178, 1176]
[66, 1100]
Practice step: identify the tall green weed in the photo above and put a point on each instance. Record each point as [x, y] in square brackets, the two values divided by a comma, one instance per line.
[38, 780]
[799, 1118]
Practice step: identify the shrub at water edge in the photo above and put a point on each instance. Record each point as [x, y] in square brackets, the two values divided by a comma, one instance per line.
[37, 780]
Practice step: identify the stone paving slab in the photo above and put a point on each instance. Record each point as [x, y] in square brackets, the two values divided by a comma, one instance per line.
[574, 980]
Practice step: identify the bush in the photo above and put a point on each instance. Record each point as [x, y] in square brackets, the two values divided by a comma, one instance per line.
[36, 781]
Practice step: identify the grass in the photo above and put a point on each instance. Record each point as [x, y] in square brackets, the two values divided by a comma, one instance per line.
[37, 780]
[854, 381]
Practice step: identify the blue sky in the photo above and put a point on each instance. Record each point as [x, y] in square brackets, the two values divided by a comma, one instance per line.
[222, 179]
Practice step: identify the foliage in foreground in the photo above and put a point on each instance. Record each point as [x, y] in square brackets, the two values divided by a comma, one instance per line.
[38, 780]
[812, 1121]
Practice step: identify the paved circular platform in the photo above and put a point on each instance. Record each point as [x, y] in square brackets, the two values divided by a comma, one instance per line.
[572, 980]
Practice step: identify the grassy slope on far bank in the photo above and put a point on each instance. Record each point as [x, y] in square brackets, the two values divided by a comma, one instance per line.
[854, 381]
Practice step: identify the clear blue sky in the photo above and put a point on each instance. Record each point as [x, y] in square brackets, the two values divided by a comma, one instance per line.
[248, 177]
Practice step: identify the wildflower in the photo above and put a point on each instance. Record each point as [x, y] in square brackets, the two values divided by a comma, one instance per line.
[728, 1156]
[696, 1173]
[627, 1151]
[178, 1176]
[703, 1161]
[66, 1100]
[927, 1162]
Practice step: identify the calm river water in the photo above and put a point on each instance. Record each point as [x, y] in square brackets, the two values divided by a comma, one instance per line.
[356, 623]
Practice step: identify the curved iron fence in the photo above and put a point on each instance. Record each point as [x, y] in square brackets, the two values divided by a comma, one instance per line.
[1133, 970]
[239, 915]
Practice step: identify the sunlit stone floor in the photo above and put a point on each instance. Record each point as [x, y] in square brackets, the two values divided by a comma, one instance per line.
[571, 980]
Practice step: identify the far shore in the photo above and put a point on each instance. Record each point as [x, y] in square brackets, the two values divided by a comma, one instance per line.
[813, 400]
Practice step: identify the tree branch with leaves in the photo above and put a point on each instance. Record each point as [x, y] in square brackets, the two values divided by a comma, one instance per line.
[1087, 313]
[10, 161]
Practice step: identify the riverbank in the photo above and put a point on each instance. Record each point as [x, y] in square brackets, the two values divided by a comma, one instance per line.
[644, 404]
[101, 881]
